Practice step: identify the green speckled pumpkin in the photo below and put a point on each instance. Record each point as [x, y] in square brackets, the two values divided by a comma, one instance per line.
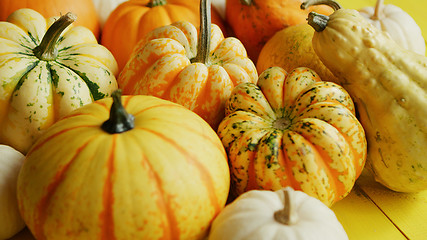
[292, 129]
[46, 72]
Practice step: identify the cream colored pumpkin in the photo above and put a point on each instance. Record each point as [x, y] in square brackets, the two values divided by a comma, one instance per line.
[10, 163]
[283, 214]
[396, 22]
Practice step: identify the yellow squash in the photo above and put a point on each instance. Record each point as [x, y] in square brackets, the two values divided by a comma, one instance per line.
[389, 86]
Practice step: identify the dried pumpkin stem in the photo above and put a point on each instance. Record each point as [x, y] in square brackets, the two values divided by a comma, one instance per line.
[283, 216]
[120, 120]
[378, 8]
[47, 49]
[317, 21]
[331, 3]
[247, 2]
[156, 3]
[204, 41]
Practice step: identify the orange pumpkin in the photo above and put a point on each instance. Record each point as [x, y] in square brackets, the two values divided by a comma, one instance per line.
[292, 129]
[255, 21]
[171, 63]
[133, 19]
[146, 169]
[83, 9]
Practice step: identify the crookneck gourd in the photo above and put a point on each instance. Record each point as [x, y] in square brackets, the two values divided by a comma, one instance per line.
[389, 86]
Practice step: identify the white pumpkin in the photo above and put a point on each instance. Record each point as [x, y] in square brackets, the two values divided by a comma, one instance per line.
[283, 214]
[105, 7]
[10, 163]
[398, 24]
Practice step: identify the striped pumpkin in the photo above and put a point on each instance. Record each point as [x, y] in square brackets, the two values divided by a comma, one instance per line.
[153, 170]
[173, 64]
[292, 129]
[46, 72]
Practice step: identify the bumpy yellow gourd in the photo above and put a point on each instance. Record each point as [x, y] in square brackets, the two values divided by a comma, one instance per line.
[389, 86]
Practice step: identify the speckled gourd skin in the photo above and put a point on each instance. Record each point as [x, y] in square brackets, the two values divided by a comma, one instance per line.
[389, 87]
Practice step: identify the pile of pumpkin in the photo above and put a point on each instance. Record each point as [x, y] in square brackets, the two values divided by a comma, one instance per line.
[149, 122]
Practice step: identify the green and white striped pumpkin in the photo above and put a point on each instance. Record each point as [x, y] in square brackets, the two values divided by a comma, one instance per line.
[45, 74]
[293, 130]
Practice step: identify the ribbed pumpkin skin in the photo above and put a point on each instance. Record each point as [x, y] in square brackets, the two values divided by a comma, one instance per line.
[256, 22]
[133, 19]
[161, 66]
[165, 179]
[35, 93]
[293, 130]
[84, 9]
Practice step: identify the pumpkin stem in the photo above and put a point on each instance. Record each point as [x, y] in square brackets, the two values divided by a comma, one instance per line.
[47, 49]
[119, 121]
[204, 41]
[378, 10]
[284, 216]
[331, 3]
[317, 21]
[155, 3]
[247, 2]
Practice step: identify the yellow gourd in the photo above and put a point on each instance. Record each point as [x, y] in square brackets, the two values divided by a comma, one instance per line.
[389, 86]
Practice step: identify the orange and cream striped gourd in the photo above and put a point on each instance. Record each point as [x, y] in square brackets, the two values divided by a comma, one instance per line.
[292, 129]
[199, 73]
[152, 170]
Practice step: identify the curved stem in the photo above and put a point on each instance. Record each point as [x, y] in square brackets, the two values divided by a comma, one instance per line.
[204, 41]
[331, 3]
[378, 10]
[283, 216]
[317, 21]
[47, 49]
[155, 3]
[119, 121]
[247, 2]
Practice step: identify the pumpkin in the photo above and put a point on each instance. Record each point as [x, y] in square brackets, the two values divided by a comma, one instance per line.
[256, 21]
[389, 86]
[292, 129]
[47, 72]
[396, 22]
[290, 48]
[11, 221]
[84, 9]
[171, 63]
[104, 9]
[283, 214]
[135, 18]
[146, 169]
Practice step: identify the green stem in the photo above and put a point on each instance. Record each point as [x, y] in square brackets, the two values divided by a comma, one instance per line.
[156, 3]
[119, 121]
[47, 49]
[331, 3]
[317, 21]
[204, 41]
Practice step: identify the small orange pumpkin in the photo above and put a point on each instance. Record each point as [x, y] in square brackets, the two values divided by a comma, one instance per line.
[83, 9]
[171, 63]
[255, 21]
[292, 129]
[133, 19]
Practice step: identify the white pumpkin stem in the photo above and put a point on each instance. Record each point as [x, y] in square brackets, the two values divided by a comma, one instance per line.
[285, 215]
[204, 41]
[47, 49]
[378, 10]
[331, 3]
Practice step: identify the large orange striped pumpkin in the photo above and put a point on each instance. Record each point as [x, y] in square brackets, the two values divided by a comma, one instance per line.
[292, 129]
[152, 170]
[198, 72]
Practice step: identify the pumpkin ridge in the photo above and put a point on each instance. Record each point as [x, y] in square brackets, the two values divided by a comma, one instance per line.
[23, 77]
[106, 216]
[42, 205]
[207, 179]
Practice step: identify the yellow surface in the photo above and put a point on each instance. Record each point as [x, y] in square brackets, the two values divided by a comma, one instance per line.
[415, 8]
